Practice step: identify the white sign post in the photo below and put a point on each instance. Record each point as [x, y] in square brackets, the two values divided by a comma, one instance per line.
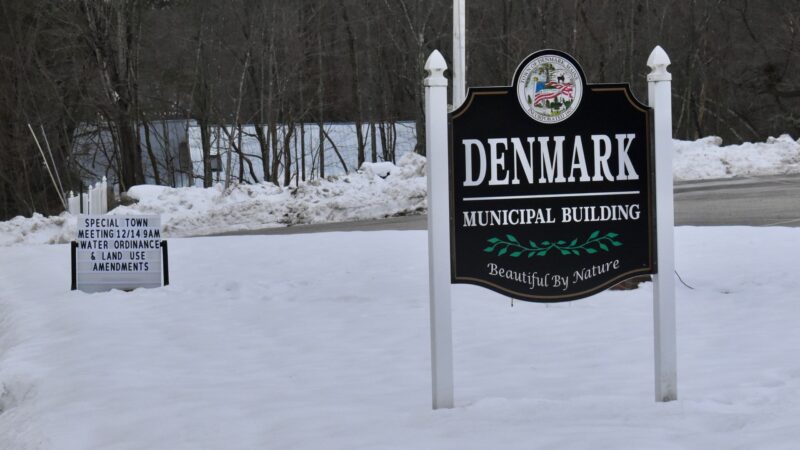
[659, 97]
[459, 53]
[118, 252]
[438, 231]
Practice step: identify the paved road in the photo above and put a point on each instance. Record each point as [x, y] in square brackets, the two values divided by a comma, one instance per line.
[760, 201]
[391, 223]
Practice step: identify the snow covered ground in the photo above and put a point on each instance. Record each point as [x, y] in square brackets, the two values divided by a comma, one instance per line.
[367, 194]
[321, 341]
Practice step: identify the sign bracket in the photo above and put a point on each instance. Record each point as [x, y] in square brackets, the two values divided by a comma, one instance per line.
[165, 262]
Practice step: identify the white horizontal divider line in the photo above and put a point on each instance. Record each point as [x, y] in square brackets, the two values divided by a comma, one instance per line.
[519, 197]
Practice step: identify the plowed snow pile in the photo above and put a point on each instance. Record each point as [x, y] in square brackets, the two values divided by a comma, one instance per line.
[377, 191]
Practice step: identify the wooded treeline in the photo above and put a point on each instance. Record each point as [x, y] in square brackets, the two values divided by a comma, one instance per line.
[121, 64]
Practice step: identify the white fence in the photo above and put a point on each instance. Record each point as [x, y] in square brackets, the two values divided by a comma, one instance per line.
[93, 201]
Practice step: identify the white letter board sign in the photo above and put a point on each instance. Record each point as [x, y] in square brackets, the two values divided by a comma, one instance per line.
[117, 252]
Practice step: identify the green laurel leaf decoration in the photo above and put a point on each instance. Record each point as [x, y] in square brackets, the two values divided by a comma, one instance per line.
[514, 248]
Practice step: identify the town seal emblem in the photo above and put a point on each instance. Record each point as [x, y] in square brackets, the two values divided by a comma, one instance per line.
[549, 88]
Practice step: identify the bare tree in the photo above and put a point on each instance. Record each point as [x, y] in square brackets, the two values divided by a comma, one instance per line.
[105, 72]
[111, 30]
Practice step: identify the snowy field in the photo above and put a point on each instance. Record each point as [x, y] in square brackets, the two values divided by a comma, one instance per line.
[321, 341]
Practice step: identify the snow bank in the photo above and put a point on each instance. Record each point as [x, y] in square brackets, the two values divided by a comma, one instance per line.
[359, 196]
[38, 230]
[378, 190]
[261, 342]
[707, 158]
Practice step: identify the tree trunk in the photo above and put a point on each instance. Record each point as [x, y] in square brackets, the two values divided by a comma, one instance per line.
[303, 151]
[373, 145]
[355, 85]
[393, 142]
[263, 145]
[169, 158]
[110, 31]
[239, 152]
[384, 143]
[149, 146]
[129, 151]
[205, 142]
[276, 159]
[320, 99]
[287, 155]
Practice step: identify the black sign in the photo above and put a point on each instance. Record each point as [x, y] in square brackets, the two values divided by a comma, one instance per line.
[551, 183]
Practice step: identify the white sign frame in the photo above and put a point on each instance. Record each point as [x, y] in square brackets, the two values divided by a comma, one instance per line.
[118, 252]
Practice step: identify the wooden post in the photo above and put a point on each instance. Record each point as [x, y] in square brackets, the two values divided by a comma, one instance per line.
[660, 99]
[438, 231]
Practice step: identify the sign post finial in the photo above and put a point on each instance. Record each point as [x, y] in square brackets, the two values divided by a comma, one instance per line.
[658, 62]
[435, 66]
